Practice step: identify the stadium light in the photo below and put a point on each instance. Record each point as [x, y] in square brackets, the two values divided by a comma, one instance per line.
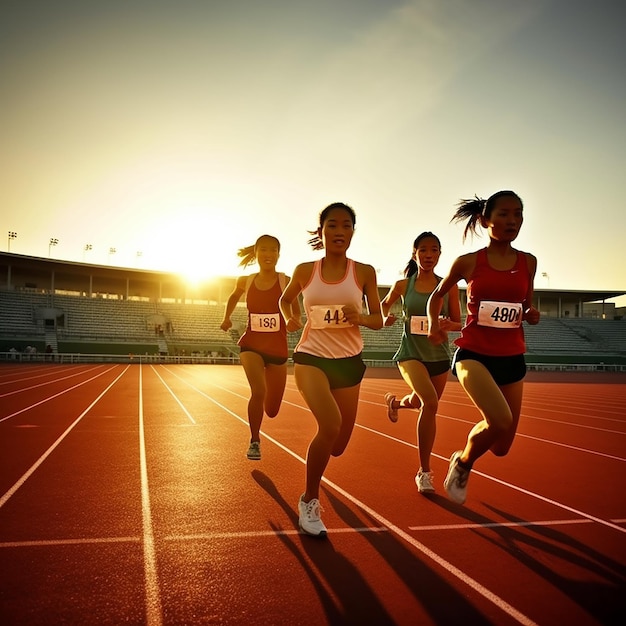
[12, 235]
[53, 242]
[546, 276]
[86, 249]
[111, 251]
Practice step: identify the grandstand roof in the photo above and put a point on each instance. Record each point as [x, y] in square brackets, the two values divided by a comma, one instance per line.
[21, 271]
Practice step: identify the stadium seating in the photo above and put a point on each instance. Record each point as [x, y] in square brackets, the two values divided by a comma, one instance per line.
[175, 327]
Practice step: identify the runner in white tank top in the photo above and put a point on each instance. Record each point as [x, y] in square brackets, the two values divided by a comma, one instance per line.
[327, 332]
[328, 363]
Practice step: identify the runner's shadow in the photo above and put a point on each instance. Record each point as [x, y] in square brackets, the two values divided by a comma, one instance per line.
[351, 599]
[443, 602]
[604, 600]
[602, 596]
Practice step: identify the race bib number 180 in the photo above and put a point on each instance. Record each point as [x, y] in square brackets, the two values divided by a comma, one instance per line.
[500, 314]
[328, 316]
[265, 322]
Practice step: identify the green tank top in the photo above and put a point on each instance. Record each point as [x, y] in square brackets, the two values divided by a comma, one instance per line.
[414, 346]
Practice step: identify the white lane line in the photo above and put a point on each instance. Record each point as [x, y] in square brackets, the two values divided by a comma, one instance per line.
[46, 373]
[556, 522]
[185, 411]
[420, 547]
[259, 534]
[56, 395]
[560, 505]
[68, 542]
[49, 382]
[154, 614]
[4, 499]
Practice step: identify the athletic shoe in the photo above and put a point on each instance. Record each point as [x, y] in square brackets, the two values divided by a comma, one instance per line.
[456, 481]
[423, 480]
[254, 451]
[309, 517]
[392, 413]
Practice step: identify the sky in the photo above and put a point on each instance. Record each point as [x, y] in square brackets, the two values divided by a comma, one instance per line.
[168, 134]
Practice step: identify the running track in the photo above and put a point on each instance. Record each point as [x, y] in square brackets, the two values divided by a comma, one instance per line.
[126, 498]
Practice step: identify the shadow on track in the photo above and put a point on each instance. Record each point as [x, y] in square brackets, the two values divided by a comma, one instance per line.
[352, 601]
[444, 603]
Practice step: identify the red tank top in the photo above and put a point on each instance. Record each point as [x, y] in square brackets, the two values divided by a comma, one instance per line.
[264, 315]
[495, 303]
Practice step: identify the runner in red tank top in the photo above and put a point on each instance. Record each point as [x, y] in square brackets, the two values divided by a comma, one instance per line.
[489, 361]
[263, 345]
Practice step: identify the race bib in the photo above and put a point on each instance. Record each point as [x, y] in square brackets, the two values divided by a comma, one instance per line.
[419, 324]
[328, 316]
[265, 322]
[500, 314]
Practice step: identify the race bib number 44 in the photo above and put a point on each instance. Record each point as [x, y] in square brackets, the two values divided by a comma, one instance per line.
[328, 317]
[500, 314]
[265, 322]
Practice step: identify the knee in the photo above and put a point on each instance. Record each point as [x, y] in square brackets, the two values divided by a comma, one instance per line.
[272, 411]
[501, 424]
[329, 433]
[257, 393]
[429, 405]
[338, 450]
[501, 448]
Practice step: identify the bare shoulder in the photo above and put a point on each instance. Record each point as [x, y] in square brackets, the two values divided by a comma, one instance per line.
[400, 285]
[365, 272]
[465, 263]
[303, 271]
[531, 261]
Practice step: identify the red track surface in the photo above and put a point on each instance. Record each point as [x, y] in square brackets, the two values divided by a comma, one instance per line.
[126, 497]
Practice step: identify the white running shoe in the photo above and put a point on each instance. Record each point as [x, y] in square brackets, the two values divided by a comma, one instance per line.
[309, 517]
[456, 481]
[254, 451]
[392, 413]
[424, 483]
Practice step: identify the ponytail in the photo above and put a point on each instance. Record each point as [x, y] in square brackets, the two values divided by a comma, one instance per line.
[411, 268]
[472, 209]
[248, 254]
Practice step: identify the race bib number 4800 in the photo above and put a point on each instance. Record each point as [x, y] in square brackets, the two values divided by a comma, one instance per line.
[328, 316]
[500, 314]
[265, 322]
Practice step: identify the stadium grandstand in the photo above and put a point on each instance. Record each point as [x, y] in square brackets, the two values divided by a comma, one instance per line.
[67, 311]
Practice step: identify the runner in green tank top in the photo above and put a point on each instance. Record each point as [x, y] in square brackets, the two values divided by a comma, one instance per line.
[423, 365]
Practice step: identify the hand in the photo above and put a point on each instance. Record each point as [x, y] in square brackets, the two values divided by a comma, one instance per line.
[352, 314]
[390, 320]
[436, 335]
[226, 325]
[532, 315]
[293, 324]
[447, 325]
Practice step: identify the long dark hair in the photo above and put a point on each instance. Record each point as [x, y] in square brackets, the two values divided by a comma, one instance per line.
[473, 208]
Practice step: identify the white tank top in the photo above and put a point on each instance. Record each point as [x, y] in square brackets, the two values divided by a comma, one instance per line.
[326, 334]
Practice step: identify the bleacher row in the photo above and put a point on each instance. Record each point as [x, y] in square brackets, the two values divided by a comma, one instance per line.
[171, 325]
